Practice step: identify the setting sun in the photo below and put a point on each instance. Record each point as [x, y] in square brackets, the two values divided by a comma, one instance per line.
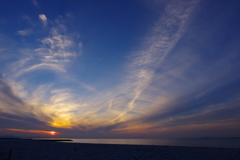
[53, 133]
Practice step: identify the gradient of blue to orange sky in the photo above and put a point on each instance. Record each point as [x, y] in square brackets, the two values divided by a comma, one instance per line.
[120, 68]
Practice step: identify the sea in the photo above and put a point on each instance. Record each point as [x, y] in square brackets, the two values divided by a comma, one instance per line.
[189, 142]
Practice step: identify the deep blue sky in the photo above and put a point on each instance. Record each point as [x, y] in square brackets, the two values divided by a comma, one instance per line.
[138, 68]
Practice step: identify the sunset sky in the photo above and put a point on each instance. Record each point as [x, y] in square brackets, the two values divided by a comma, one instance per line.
[120, 68]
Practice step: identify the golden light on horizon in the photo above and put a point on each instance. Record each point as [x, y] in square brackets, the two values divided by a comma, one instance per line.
[53, 133]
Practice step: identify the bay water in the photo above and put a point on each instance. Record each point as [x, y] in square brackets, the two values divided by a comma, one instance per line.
[198, 142]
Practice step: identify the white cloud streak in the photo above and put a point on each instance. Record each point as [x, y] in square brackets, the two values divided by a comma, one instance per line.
[46, 66]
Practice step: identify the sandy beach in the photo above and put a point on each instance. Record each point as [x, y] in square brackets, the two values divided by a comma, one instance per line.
[49, 150]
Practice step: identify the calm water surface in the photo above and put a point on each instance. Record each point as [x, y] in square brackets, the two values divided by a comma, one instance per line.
[222, 143]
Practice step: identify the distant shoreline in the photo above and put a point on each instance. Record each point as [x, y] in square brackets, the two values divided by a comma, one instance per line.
[213, 138]
[229, 142]
[42, 139]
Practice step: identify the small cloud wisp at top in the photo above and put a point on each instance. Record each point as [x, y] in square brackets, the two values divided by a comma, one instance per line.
[43, 18]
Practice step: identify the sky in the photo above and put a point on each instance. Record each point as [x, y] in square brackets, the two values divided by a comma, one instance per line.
[120, 69]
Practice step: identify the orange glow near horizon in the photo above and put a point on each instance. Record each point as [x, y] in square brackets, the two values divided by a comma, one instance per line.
[53, 133]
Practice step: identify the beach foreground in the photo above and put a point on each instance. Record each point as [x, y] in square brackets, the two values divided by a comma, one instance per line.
[48, 150]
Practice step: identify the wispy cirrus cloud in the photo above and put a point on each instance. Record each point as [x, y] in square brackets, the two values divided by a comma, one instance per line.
[9, 100]
[162, 38]
[55, 52]
[35, 3]
[25, 32]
